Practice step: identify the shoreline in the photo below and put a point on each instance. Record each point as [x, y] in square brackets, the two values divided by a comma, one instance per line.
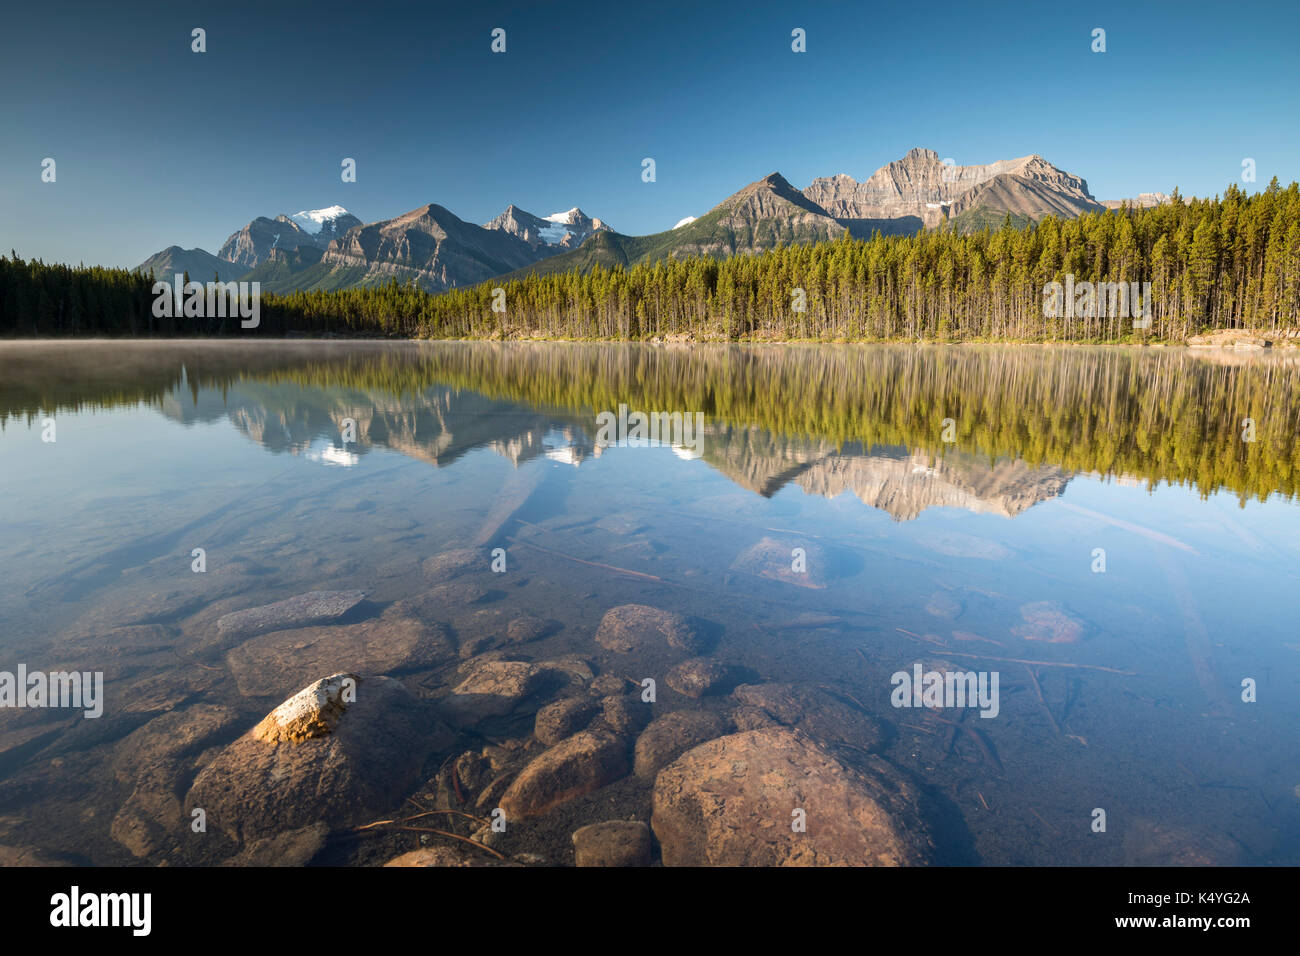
[1219, 340]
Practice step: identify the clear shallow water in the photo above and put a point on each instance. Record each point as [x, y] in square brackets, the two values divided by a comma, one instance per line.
[973, 554]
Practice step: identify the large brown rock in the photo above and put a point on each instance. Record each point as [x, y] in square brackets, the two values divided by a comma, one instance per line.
[452, 564]
[273, 664]
[572, 768]
[612, 843]
[698, 676]
[732, 802]
[359, 758]
[562, 719]
[442, 856]
[670, 736]
[157, 760]
[315, 607]
[492, 689]
[638, 627]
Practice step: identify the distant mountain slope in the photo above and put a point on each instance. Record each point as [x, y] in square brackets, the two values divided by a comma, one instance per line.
[765, 214]
[200, 264]
[430, 245]
[921, 187]
[291, 270]
[547, 236]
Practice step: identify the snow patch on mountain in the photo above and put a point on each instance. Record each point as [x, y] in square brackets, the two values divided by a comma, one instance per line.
[685, 222]
[567, 218]
[313, 220]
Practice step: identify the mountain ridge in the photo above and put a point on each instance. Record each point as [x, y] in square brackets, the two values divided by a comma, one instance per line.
[431, 246]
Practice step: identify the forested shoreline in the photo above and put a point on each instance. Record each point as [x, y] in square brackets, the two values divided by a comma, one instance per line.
[1228, 262]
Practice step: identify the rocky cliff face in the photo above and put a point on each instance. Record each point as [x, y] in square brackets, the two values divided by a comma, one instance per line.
[431, 245]
[249, 246]
[546, 236]
[921, 188]
[763, 215]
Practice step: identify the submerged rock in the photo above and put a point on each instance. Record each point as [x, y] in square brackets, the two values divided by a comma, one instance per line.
[314, 607]
[491, 689]
[1048, 621]
[291, 848]
[812, 710]
[447, 600]
[1151, 843]
[776, 560]
[156, 760]
[698, 676]
[528, 628]
[612, 843]
[670, 736]
[732, 802]
[638, 627]
[446, 856]
[572, 768]
[274, 663]
[452, 564]
[623, 714]
[942, 604]
[562, 719]
[367, 760]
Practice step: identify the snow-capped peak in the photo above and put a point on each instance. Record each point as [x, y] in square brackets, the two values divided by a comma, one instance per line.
[567, 218]
[685, 222]
[313, 220]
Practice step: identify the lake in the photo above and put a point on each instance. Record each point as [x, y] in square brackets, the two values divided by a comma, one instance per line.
[1112, 533]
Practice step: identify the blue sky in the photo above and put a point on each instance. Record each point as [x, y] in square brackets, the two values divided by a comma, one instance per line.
[157, 145]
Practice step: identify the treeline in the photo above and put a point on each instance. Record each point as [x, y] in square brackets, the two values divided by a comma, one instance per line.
[1230, 262]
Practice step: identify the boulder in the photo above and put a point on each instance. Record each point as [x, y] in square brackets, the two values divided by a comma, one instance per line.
[452, 564]
[273, 664]
[612, 843]
[1048, 621]
[670, 736]
[562, 719]
[638, 627]
[303, 610]
[446, 856]
[775, 559]
[320, 757]
[156, 760]
[491, 689]
[623, 714]
[291, 848]
[572, 768]
[698, 676]
[733, 802]
[527, 628]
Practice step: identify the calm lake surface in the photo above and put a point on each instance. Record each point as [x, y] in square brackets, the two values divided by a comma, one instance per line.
[845, 514]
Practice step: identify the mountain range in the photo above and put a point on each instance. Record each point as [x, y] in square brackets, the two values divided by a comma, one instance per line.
[326, 249]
